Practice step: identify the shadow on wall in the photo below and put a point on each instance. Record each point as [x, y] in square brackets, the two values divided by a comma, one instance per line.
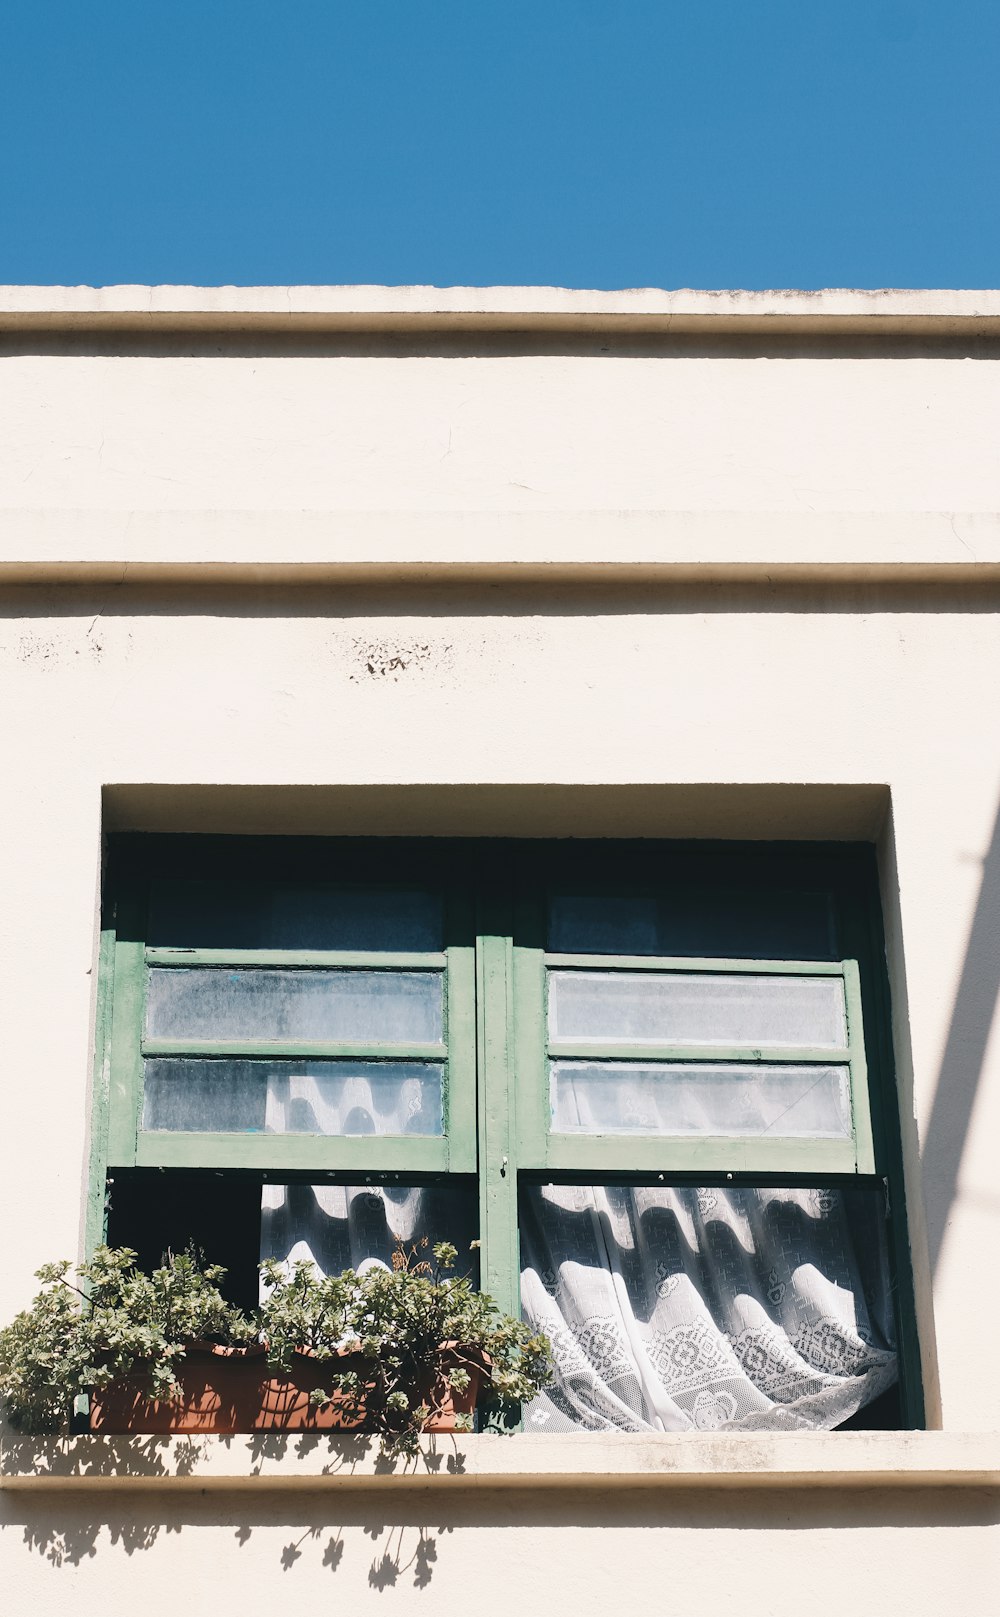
[456, 345]
[70, 624]
[332, 1530]
[68, 1531]
[964, 1055]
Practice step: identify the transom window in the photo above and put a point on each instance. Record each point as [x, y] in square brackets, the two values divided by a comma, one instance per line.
[653, 1081]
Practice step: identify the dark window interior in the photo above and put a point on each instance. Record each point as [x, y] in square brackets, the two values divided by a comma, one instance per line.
[218, 1214]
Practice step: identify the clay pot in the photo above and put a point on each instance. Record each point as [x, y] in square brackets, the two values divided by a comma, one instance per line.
[228, 1390]
[220, 1392]
[286, 1407]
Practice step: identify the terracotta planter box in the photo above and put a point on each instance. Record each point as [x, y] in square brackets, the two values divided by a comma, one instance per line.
[220, 1392]
[228, 1390]
[285, 1405]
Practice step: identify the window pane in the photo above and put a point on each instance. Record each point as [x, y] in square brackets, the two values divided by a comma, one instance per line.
[683, 1308]
[393, 1007]
[340, 1226]
[629, 1097]
[731, 923]
[263, 915]
[687, 1008]
[291, 1097]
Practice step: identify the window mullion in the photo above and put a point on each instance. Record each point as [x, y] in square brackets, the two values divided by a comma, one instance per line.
[126, 1053]
[860, 1102]
[460, 1100]
[497, 1123]
[532, 1069]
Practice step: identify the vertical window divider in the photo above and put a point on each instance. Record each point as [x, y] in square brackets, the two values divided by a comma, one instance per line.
[461, 1035]
[860, 1100]
[128, 1016]
[530, 1079]
[497, 1122]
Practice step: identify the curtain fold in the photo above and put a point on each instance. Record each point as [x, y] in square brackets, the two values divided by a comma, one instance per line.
[340, 1227]
[707, 1309]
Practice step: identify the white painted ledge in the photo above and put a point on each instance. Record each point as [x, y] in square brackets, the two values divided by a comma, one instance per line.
[505, 308]
[843, 1460]
[48, 545]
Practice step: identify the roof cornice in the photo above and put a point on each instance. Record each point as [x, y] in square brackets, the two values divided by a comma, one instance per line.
[505, 308]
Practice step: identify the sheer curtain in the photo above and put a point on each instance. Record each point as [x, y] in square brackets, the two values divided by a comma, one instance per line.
[354, 1098]
[340, 1227]
[707, 1309]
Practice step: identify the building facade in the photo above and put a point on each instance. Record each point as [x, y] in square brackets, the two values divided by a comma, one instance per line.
[682, 607]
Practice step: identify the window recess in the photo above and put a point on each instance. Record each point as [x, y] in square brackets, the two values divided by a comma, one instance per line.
[652, 1080]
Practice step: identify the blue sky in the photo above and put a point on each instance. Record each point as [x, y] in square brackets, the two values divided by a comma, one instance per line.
[604, 143]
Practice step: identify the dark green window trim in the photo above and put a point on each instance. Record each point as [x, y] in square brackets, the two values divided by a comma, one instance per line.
[496, 1101]
[129, 1145]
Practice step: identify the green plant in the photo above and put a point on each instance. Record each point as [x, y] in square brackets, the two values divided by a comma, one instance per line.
[112, 1322]
[398, 1343]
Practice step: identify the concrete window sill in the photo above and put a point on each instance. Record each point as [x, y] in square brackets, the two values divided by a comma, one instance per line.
[589, 1460]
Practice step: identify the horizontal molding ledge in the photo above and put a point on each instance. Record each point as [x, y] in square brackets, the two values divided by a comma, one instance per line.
[64, 545]
[843, 1460]
[504, 308]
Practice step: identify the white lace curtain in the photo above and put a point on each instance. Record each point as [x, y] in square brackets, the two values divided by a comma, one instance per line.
[667, 1309]
[340, 1227]
[680, 1309]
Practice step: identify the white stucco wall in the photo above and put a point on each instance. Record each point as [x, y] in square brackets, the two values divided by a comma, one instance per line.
[594, 702]
[610, 427]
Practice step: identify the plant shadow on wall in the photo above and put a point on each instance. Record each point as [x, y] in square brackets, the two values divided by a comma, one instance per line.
[68, 1530]
[410, 1545]
[408, 1548]
[389, 1538]
[388, 1360]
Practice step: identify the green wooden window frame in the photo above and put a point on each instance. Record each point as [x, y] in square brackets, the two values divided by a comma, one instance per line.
[496, 1102]
[130, 1145]
[542, 1146]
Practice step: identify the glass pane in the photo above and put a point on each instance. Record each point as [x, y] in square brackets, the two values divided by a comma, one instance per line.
[265, 915]
[220, 1002]
[701, 1308]
[705, 1097]
[690, 1008]
[731, 923]
[339, 1227]
[293, 1097]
